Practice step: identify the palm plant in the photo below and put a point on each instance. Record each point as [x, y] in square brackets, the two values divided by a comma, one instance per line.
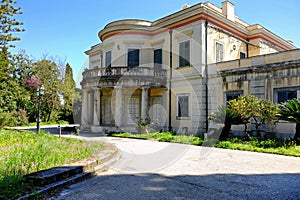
[290, 111]
[227, 116]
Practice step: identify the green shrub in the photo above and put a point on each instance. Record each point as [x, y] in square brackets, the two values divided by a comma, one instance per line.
[6, 119]
[20, 117]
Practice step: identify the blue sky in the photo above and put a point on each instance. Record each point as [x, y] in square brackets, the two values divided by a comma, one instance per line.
[67, 28]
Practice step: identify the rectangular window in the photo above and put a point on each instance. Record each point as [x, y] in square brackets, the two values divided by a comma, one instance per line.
[184, 54]
[133, 57]
[219, 52]
[242, 55]
[232, 95]
[134, 109]
[156, 112]
[108, 59]
[182, 106]
[284, 94]
[106, 110]
[157, 58]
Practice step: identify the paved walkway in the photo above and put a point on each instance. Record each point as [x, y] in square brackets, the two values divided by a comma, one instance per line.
[154, 170]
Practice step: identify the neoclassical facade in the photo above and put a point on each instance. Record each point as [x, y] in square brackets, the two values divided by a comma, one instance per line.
[173, 72]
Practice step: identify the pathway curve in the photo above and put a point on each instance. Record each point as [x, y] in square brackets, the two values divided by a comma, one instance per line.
[155, 170]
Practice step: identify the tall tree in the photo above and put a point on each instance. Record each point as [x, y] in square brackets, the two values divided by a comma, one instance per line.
[9, 86]
[68, 92]
[8, 24]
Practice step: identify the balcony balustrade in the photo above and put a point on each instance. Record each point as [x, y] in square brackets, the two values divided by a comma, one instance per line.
[110, 75]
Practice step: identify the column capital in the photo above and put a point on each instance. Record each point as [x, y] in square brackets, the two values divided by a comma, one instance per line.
[118, 87]
[145, 87]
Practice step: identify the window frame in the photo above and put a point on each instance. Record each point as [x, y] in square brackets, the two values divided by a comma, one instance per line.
[157, 65]
[139, 56]
[187, 63]
[242, 53]
[178, 109]
[217, 54]
[232, 93]
[105, 59]
[285, 89]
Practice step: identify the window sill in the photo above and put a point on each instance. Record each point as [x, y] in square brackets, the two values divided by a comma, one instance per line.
[182, 118]
[184, 67]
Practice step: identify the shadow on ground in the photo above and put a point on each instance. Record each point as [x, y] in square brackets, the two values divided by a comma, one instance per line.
[215, 186]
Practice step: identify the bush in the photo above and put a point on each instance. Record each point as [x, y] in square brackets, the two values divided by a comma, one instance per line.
[20, 116]
[6, 119]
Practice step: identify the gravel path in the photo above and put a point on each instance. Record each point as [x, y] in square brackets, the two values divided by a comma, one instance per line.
[154, 170]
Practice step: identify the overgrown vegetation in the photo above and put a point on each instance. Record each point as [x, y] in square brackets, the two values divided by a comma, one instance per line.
[274, 146]
[249, 108]
[290, 111]
[25, 152]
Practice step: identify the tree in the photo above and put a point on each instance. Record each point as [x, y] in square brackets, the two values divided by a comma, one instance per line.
[11, 91]
[251, 107]
[8, 24]
[48, 72]
[68, 92]
[228, 117]
[290, 111]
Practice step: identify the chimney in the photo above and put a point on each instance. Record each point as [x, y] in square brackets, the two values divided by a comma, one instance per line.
[228, 10]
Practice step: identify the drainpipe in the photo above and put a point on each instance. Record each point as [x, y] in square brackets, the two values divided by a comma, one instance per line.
[170, 91]
[247, 48]
[206, 80]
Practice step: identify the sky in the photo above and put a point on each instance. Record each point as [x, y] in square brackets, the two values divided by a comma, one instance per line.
[66, 28]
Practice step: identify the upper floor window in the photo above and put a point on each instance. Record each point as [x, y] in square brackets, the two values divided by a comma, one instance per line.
[158, 58]
[242, 55]
[219, 52]
[133, 57]
[182, 106]
[108, 59]
[284, 94]
[184, 54]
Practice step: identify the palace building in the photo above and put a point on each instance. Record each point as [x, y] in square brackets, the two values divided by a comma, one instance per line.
[173, 72]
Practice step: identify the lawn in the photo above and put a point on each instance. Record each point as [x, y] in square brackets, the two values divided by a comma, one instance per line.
[24, 152]
[274, 146]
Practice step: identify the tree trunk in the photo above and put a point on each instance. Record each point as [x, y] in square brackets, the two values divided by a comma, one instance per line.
[297, 134]
[225, 131]
[246, 132]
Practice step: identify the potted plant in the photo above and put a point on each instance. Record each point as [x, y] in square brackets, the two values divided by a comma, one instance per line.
[142, 126]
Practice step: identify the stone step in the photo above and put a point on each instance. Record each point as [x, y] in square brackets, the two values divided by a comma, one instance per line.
[59, 185]
[58, 178]
[45, 177]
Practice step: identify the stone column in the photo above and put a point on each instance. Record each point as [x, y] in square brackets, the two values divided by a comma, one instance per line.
[118, 106]
[96, 120]
[84, 113]
[144, 106]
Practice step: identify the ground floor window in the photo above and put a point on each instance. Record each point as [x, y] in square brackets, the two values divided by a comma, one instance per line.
[134, 109]
[156, 113]
[182, 106]
[106, 110]
[90, 112]
[283, 94]
[232, 95]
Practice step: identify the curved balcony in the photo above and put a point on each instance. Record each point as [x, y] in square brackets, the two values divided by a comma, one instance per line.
[125, 76]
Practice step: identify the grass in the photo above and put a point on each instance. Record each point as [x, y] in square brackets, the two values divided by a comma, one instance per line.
[163, 137]
[25, 152]
[274, 146]
[47, 123]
